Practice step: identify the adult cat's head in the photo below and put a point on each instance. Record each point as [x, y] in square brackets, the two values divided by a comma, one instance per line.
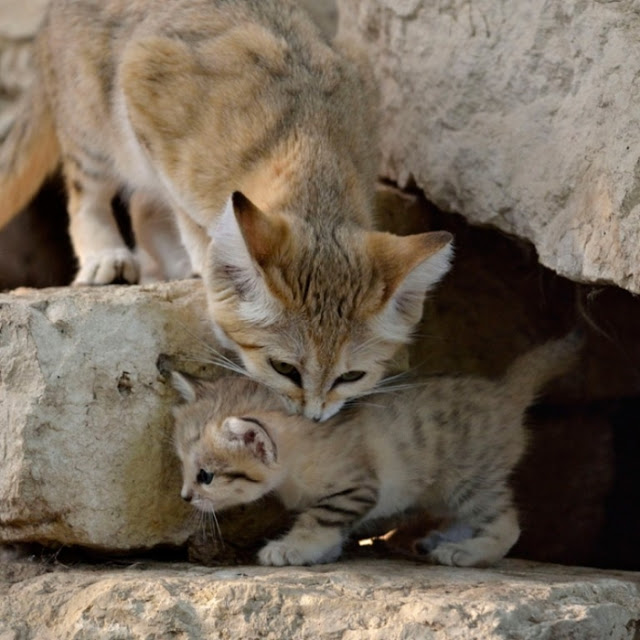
[315, 312]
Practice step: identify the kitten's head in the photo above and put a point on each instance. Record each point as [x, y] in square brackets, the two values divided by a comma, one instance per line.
[316, 313]
[227, 453]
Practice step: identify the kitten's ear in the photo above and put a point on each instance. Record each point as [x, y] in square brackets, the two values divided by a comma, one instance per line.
[411, 266]
[190, 389]
[244, 240]
[250, 434]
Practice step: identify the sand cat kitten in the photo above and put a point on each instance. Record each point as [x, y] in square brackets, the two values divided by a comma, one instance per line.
[447, 446]
[183, 103]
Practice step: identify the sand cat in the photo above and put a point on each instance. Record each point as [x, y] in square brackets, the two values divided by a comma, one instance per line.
[448, 445]
[244, 127]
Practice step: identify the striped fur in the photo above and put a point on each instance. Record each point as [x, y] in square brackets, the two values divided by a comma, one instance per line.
[446, 445]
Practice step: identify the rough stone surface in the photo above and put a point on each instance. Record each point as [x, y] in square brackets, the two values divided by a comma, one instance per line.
[85, 425]
[517, 114]
[362, 599]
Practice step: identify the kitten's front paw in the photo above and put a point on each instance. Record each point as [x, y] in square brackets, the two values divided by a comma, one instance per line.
[280, 553]
[109, 267]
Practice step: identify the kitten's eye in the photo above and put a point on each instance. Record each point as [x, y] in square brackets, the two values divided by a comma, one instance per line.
[204, 477]
[349, 376]
[287, 370]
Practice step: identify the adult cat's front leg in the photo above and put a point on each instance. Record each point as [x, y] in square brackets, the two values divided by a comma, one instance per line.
[103, 256]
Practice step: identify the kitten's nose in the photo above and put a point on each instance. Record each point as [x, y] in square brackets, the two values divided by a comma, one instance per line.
[186, 496]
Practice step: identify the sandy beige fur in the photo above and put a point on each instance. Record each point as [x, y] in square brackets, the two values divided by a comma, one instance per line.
[447, 445]
[238, 124]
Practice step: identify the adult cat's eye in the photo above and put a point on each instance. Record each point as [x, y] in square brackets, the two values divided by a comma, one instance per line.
[349, 376]
[287, 370]
[204, 477]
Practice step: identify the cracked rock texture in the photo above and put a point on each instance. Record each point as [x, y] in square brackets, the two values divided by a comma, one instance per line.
[518, 114]
[85, 415]
[376, 600]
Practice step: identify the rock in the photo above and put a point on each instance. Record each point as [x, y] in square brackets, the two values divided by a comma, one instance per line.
[516, 115]
[361, 599]
[85, 415]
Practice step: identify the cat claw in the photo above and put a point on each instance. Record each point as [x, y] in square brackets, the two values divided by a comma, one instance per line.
[114, 266]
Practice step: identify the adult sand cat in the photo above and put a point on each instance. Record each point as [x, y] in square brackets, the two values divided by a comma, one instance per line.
[447, 446]
[183, 103]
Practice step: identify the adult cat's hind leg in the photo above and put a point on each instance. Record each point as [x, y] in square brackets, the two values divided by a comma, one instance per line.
[194, 239]
[158, 247]
[103, 256]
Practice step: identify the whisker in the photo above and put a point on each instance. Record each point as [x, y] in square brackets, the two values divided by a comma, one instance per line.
[357, 403]
[223, 364]
[220, 358]
[217, 529]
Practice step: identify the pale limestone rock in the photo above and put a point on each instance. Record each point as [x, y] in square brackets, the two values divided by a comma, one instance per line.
[85, 424]
[517, 114]
[385, 600]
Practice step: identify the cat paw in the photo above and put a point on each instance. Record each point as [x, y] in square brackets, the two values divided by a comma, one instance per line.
[456, 555]
[280, 553]
[114, 266]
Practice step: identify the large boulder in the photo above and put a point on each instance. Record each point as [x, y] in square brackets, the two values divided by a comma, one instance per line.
[85, 421]
[517, 114]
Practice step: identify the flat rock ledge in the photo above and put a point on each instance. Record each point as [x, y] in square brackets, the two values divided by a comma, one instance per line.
[384, 600]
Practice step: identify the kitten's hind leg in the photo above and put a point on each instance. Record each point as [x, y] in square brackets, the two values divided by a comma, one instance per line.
[489, 541]
[103, 256]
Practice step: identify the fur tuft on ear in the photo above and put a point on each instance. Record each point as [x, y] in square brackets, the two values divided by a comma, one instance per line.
[184, 386]
[190, 389]
[243, 239]
[411, 266]
[251, 434]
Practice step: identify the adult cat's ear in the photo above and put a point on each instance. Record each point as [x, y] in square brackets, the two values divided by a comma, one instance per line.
[263, 235]
[410, 266]
[251, 434]
[244, 240]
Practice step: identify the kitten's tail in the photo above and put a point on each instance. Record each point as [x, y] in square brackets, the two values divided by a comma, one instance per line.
[29, 153]
[532, 370]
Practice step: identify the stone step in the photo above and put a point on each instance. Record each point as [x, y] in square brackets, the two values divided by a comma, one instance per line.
[382, 600]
